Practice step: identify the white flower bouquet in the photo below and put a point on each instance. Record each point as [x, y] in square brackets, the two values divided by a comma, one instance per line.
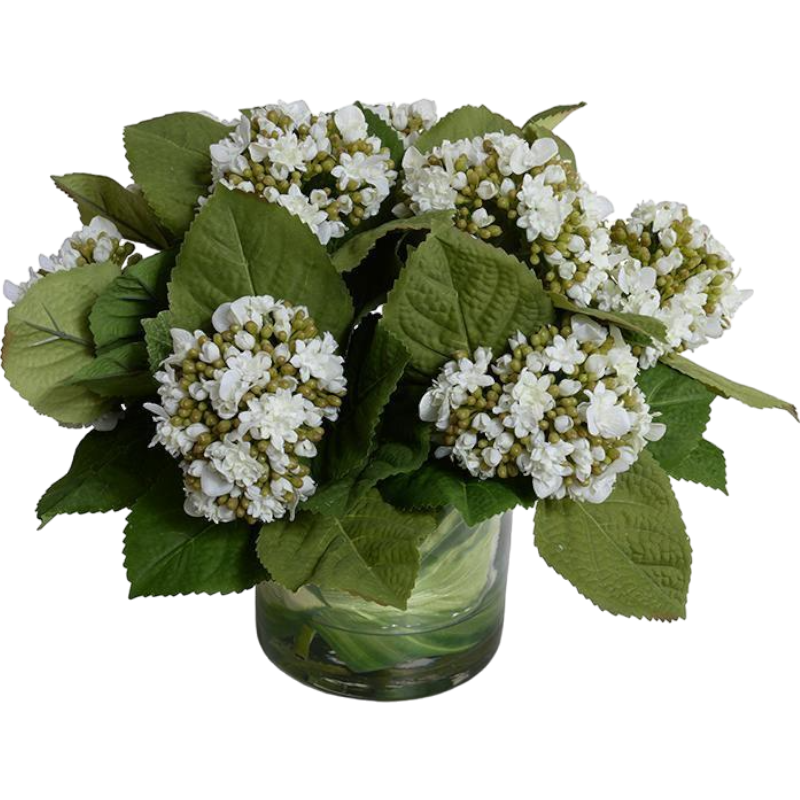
[334, 326]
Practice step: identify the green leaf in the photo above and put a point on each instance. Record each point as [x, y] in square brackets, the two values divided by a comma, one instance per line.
[683, 405]
[727, 388]
[532, 132]
[440, 483]
[240, 245]
[158, 339]
[168, 552]
[375, 363]
[464, 123]
[47, 340]
[706, 465]
[458, 293]
[122, 372]
[629, 555]
[386, 133]
[170, 159]
[97, 195]
[649, 327]
[553, 116]
[109, 472]
[370, 283]
[372, 550]
[356, 249]
[403, 442]
[140, 292]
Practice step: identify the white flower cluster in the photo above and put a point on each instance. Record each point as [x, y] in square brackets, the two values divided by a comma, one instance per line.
[562, 408]
[667, 265]
[503, 186]
[95, 243]
[324, 168]
[244, 408]
[408, 119]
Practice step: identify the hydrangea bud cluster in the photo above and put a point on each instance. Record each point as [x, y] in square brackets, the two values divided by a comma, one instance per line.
[667, 264]
[244, 408]
[560, 407]
[408, 119]
[95, 243]
[520, 194]
[324, 168]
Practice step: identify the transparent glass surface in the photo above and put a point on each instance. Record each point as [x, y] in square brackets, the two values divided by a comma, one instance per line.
[344, 645]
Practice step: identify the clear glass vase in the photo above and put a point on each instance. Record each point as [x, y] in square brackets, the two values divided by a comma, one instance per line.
[344, 645]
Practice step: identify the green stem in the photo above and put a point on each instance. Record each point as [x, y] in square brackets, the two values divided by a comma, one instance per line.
[302, 642]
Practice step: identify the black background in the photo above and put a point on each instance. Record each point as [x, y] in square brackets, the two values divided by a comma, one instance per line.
[78, 615]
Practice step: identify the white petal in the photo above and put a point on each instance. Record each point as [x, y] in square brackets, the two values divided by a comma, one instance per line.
[542, 150]
[221, 318]
[656, 432]
[213, 483]
[182, 341]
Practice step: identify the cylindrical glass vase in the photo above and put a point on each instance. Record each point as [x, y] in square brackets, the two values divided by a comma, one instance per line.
[344, 645]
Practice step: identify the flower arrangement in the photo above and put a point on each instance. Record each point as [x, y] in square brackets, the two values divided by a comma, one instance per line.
[300, 338]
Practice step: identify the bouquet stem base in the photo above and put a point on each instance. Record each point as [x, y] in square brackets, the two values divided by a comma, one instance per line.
[406, 682]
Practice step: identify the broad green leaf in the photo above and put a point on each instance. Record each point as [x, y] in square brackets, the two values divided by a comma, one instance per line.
[158, 339]
[356, 249]
[372, 550]
[706, 465]
[727, 388]
[47, 341]
[170, 159]
[458, 293]
[167, 552]
[140, 292]
[553, 116]
[334, 498]
[649, 327]
[532, 132]
[683, 405]
[629, 555]
[440, 483]
[375, 363]
[240, 245]
[466, 122]
[123, 372]
[97, 195]
[386, 133]
[109, 472]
